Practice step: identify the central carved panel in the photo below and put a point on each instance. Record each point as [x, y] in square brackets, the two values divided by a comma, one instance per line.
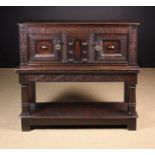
[77, 47]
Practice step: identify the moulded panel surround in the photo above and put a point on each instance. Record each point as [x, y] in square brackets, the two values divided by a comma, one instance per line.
[45, 48]
[113, 48]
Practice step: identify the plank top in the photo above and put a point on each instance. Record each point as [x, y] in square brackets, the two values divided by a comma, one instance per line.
[61, 22]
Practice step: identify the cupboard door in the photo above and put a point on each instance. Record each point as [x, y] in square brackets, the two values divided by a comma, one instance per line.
[110, 48]
[45, 48]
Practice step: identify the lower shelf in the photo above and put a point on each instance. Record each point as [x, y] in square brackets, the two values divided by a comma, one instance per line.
[75, 113]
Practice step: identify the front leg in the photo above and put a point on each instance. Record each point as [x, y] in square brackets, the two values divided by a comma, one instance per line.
[28, 97]
[25, 99]
[132, 100]
[32, 92]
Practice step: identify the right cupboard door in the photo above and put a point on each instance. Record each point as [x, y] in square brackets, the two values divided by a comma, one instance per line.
[111, 48]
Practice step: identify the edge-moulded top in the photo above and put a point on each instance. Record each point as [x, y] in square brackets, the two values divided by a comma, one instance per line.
[114, 22]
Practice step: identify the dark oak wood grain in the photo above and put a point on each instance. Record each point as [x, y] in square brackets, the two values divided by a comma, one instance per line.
[78, 52]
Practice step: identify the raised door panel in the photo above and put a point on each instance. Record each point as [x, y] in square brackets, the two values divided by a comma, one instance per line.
[45, 48]
[111, 48]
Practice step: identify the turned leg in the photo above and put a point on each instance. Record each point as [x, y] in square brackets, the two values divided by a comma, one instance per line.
[132, 99]
[126, 92]
[32, 92]
[26, 100]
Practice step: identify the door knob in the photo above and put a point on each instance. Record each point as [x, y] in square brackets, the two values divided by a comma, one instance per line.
[57, 47]
[98, 48]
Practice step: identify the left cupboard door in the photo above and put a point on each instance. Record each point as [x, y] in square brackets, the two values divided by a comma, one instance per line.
[45, 48]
